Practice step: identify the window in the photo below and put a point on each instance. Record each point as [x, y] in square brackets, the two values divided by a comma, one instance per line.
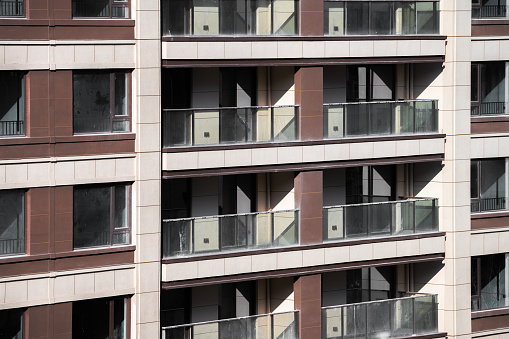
[100, 8]
[12, 222]
[101, 102]
[488, 185]
[101, 215]
[12, 103]
[12, 8]
[490, 9]
[230, 17]
[489, 282]
[488, 88]
[11, 324]
[100, 318]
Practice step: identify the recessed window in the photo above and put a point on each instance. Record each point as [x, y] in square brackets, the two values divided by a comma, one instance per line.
[100, 318]
[101, 102]
[12, 222]
[488, 285]
[12, 8]
[101, 215]
[488, 185]
[12, 102]
[100, 8]
[11, 324]
[487, 90]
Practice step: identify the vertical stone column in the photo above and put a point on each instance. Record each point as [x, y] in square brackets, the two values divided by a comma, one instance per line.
[308, 300]
[147, 188]
[309, 95]
[311, 17]
[309, 199]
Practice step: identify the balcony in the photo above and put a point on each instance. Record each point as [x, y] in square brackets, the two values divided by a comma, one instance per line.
[480, 11]
[380, 219]
[381, 18]
[236, 232]
[11, 8]
[229, 17]
[100, 9]
[272, 326]
[401, 317]
[380, 118]
[241, 125]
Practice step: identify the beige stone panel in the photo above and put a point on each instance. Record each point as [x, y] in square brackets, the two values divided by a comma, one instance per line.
[490, 243]
[40, 172]
[432, 245]
[408, 47]
[503, 146]
[150, 27]
[151, 216]
[289, 154]
[149, 280]
[208, 159]
[337, 151]
[264, 262]
[2, 55]
[2, 173]
[64, 170]
[431, 146]
[177, 161]
[85, 169]
[210, 268]
[84, 284]
[490, 147]
[384, 149]
[504, 49]
[211, 50]
[313, 49]
[85, 54]
[151, 109]
[124, 167]
[149, 166]
[16, 291]
[264, 49]
[237, 265]
[313, 257]
[16, 173]
[125, 53]
[146, 84]
[313, 153]
[2, 293]
[407, 248]
[105, 168]
[149, 193]
[38, 289]
[434, 47]
[362, 150]
[64, 54]
[180, 50]
[361, 252]
[237, 50]
[361, 49]
[455, 50]
[289, 259]
[38, 55]
[146, 60]
[240, 157]
[148, 144]
[407, 147]
[289, 49]
[337, 49]
[477, 244]
[148, 245]
[458, 269]
[104, 281]
[456, 147]
[454, 171]
[149, 330]
[263, 156]
[383, 48]
[124, 279]
[384, 250]
[16, 54]
[503, 241]
[63, 286]
[460, 319]
[491, 50]
[180, 271]
[477, 50]
[148, 306]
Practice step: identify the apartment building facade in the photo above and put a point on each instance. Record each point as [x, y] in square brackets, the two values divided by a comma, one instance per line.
[253, 168]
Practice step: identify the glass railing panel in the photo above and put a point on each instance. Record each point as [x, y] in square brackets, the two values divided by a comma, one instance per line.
[285, 325]
[381, 17]
[401, 317]
[201, 127]
[380, 219]
[188, 236]
[229, 17]
[489, 11]
[11, 8]
[380, 118]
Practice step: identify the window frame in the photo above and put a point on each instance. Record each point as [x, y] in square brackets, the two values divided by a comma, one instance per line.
[22, 15]
[25, 214]
[24, 126]
[112, 4]
[478, 199]
[476, 105]
[113, 116]
[124, 230]
[477, 298]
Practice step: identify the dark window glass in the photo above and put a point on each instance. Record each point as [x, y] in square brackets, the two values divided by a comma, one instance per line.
[100, 102]
[12, 222]
[357, 19]
[380, 20]
[488, 283]
[474, 193]
[100, 9]
[12, 103]
[11, 324]
[12, 8]
[99, 319]
[474, 89]
[101, 215]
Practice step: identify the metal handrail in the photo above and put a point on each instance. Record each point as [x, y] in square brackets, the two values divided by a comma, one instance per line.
[381, 102]
[221, 108]
[228, 215]
[378, 203]
[422, 295]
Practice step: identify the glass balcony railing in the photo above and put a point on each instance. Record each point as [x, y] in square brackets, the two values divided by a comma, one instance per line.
[270, 326]
[229, 17]
[380, 219]
[11, 8]
[381, 17]
[8, 128]
[201, 127]
[236, 232]
[489, 11]
[488, 108]
[380, 118]
[401, 317]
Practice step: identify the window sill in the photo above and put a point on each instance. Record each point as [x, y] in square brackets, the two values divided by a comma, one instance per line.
[194, 38]
[489, 118]
[490, 312]
[489, 214]
[491, 21]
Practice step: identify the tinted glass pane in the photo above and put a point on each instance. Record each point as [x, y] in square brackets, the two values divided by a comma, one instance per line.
[334, 18]
[90, 319]
[493, 271]
[176, 19]
[12, 222]
[12, 103]
[120, 94]
[357, 18]
[121, 206]
[380, 20]
[493, 88]
[119, 321]
[11, 323]
[493, 181]
[91, 216]
[284, 17]
[91, 102]
[11, 8]
[425, 18]
[404, 18]
[474, 184]
[91, 8]
[474, 83]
